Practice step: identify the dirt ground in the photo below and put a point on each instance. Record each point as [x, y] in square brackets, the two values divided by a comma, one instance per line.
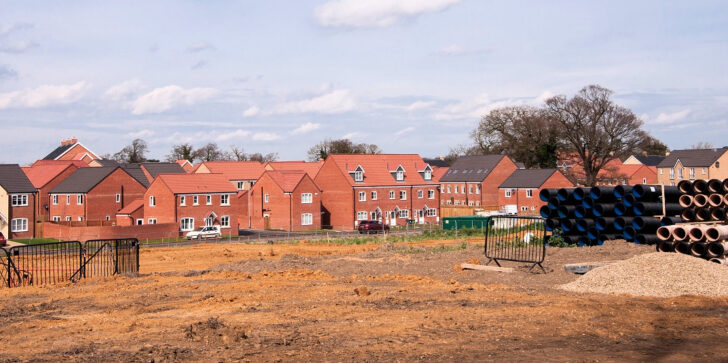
[393, 302]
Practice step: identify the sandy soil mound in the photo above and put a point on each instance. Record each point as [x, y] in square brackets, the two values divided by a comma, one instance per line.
[656, 274]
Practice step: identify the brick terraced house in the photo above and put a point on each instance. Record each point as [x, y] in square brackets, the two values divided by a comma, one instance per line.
[391, 188]
[311, 168]
[46, 175]
[17, 203]
[519, 193]
[242, 174]
[286, 200]
[71, 149]
[474, 180]
[693, 164]
[192, 201]
[93, 194]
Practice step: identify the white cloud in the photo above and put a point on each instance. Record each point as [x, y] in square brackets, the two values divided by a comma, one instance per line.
[265, 136]
[251, 111]
[237, 134]
[375, 13]
[482, 104]
[141, 133]
[124, 90]
[417, 105]
[404, 131]
[545, 95]
[17, 47]
[46, 95]
[668, 118]
[199, 47]
[352, 135]
[452, 49]
[307, 127]
[164, 98]
[336, 101]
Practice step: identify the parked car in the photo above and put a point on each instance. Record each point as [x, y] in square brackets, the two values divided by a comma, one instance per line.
[372, 227]
[3, 242]
[204, 232]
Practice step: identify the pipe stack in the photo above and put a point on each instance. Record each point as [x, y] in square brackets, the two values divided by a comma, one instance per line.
[590, 216]
[707, 241]
[704, 200]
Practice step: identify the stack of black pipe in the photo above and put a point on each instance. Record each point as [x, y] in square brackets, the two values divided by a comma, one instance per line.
[590, 216]
[704, 200]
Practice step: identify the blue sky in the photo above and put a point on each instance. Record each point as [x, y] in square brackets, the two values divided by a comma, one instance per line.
[408, 75]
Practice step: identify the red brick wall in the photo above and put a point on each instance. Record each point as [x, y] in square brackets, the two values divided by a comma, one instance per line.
[648, 173]
[307, 185]
[337, 197]
[75, 150]
[44, 197]
[101, 200]
[491, 184]
[413, 203]
[164, 209]
[520, 199]
[147, 231]
[467, 193]
[284, 210]
[68, 207]
[27, 212]
[200, 211]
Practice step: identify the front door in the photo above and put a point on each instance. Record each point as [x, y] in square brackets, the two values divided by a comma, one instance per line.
[266, 221]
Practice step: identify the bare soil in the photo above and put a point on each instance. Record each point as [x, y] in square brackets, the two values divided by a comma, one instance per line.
[393, 302]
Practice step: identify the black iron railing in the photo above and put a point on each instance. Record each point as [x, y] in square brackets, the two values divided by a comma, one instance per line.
[518, 239]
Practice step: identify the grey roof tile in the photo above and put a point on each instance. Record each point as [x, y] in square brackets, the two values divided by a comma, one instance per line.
[692, 157]
[14, 180]
[84, 179]
[528, 178]
[474, 168]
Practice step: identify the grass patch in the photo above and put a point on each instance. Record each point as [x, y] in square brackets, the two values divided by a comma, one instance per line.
[438, 249]
[35, 241]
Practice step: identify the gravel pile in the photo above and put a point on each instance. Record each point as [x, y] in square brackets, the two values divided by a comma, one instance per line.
[656, 274]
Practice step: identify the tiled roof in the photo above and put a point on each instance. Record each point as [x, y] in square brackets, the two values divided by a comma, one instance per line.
[136, 172]
[311, 168]
[14, 180]
[692, 158]
[79, 163]
[84, 179]
[650, 160]
[42, 174]
[131, 207]
[197, 183]
[155, 169]
[58, 151]
[235, 170]
[286, 179]
[474, 168]
[107, 162]
[436, 163]
[437, 173]
[379, 169]
[626, 170]
[528, 178]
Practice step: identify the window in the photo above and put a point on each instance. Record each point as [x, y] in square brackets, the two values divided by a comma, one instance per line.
[208, 221]
[432, 212]
[705, 171]
[470, 203]
[362, 196]
[662, 171]
[195, 200]
[508, 193]
[266, 198]
[55, 199]
[672, 173]
[68, 199]
[80, 219]
[107, 218]
[187, 224]
[404, 213]
[152, 201]
[68, 218]
[152, 221]
[400, 175]
[225, 199]
[208, 199]
[306, 219]
[470, 189]
[456, 189]
[19, 225]
[533, 208]
[118, 198]
[644, 180]
[692, 173]
[529, 193]
[428, 174]
[79, 199]
[225, 221]
[420, 194]
[241, 185]
[19, 200]
[430, 194]
[402, 195]
[182, 200]
[477, 189]
[56, 218]
[448, 189]
[449, 202]
[391, 194]
[717, 164]
[374, 195]
[359, 175]
[524, 208]
[679, 173]
[140, 222]
[361, 216]
[306, 198]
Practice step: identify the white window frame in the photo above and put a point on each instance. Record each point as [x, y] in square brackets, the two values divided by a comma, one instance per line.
[456, 189]
[374, 195]
[208, 199]
[225, 222]
[680, 173]
[182, 200]
[306, 219]
[266, 198]
[358, 176]
[306, 198]
[140, 222]
[19, 225]
[195, 199]
[241, 185]
[361, 215]
[644, 180]
[56, 218]
[470, 189]
[477, 189]
[428, 174]
[108, 218]
[448, 189]
[705, 171]
[672, 173]
[68, 199]
[404, 213]
[430, 194]
[224, 199]
[662, 171]
[692, 173]
[79, 199]
[152, 221]
[524, 208]
[19, 200]
[432, 212]
[391, 194]
[420, 194]
[54, 199]
[529, 193]
[68, 218]
[184, 221]
[80, 219]
[118, 197]
[152, 201]
[362, 196]
[402, 195]
[400, 175]
[508, 193]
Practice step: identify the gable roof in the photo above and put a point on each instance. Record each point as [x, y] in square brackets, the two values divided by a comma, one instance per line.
[473, 168]
[234, 170]
[131, 207]
[627, 170]
[196, 183]
[287, 179]
[311, 168]
[692, 158]
[436, 162]
[107, 162]
[437, 173]
[14, 180]
[84, 179]
[79, 163]
[59, 151]
[42, 174]
[528, 178]
[136, 172]
[155, 169]
[649, 160]
[379, 169]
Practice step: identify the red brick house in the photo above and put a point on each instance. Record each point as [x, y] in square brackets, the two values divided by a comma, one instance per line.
[192, 201]
[391, 188]
[630, 174]
[71, 149]
[242, 174]
[311, 168]
[17, 203]
[132, 214]
[285, 200]
[46, 175]
[520, 191]
[474, 180]
[93, 194]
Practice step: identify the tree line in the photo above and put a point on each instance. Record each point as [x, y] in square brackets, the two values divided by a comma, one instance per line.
[136, 152]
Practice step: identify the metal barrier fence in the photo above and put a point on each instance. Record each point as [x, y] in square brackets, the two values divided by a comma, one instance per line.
[52, 263]
[518, 239]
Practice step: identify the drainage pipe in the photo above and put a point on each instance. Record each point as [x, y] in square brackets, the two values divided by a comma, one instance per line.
[715, 186]
[664, 233]
[696, 233]
[665, 246]
[700, 200]
[685, 186]
[546, 194]
[700, 186]
[716, 233]
[669, 221]
[686, 200]
[717, 249]
[680, 233]
[602, 194]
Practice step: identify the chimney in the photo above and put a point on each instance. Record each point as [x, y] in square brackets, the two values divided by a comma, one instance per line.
[70, 141]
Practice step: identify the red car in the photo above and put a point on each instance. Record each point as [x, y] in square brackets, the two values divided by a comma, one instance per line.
[3, 242]
[372, 227]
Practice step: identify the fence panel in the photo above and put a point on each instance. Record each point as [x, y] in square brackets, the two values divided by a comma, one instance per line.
[47, 263]
[107, 257]
[518, 239]
[4, 269]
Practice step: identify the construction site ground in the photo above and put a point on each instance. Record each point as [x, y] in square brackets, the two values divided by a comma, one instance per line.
[333, 302]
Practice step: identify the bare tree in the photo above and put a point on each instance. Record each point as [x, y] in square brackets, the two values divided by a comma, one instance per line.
[210, 152]
[133, 153]
[263, 158]
[181, 152]
[238, 154]
[702, 145]
[322, 150]
[595, 129]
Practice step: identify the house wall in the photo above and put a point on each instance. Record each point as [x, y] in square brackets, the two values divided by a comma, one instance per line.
[631, 160]
[306, 185]
[164, 210]
[718, 170]
[131, 219]
[283, 209]
[644, 175]
[43, 196]
[413, 203]
[202, 210]
[468, 194]
[76, 150]
[337, 199]
[519, 196]
[491, 183]
[69, 207]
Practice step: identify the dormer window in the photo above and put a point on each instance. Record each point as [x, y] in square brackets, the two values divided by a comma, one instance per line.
[400, 175]
[428, 174]
[359, 175]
